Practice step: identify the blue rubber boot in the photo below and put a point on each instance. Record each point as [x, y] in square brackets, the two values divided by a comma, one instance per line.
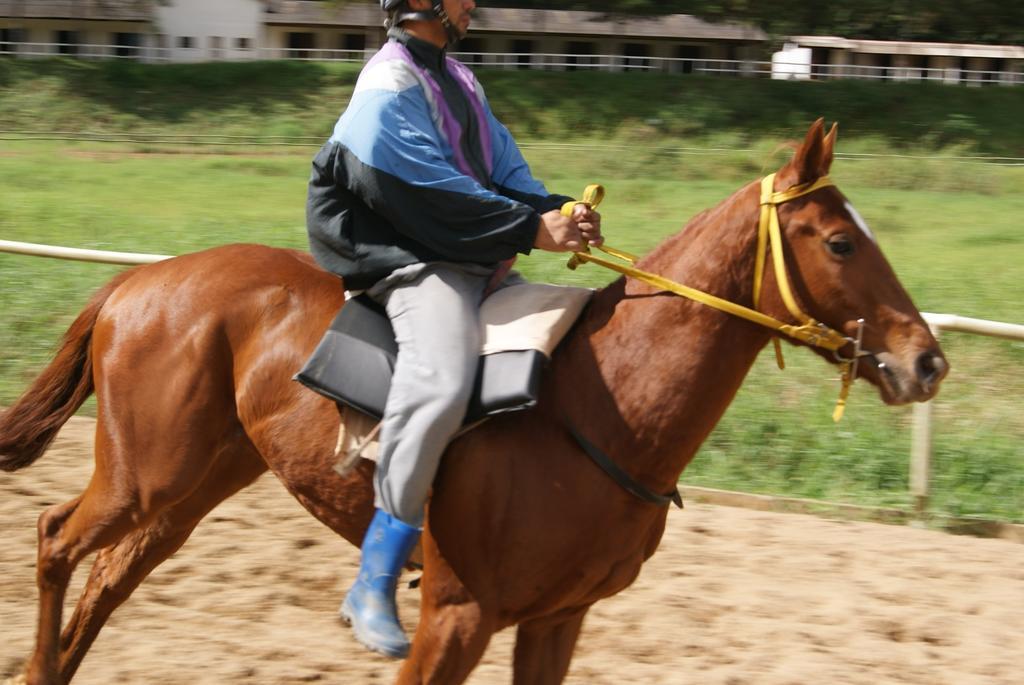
[369, 605]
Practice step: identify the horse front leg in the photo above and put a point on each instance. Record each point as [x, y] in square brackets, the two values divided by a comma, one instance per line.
[453, 632]
[448, 644]
[544, 648]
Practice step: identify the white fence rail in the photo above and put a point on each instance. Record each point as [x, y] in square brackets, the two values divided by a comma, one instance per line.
[194, 140]
[77, 254]
[921, 431]
[532, 60]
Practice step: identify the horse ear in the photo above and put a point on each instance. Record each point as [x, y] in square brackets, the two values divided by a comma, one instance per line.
[829, 149]
[809, 158]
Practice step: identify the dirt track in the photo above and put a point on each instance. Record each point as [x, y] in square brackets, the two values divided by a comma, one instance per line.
[733, 597]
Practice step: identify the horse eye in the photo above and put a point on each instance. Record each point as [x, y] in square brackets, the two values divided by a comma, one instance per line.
[840, 245]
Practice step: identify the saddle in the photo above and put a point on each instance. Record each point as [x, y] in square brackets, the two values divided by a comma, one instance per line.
[354, 362]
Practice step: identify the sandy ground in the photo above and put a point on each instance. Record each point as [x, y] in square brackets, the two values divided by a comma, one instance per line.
[733, 597]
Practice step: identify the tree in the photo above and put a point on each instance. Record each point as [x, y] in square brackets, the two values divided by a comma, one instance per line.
[969, 21]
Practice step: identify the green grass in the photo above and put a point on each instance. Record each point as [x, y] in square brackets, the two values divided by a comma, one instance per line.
[778, 436]
[952, 230]
[304, 99]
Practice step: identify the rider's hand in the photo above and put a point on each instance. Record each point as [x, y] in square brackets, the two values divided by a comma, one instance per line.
[589, 222]
[558, 233]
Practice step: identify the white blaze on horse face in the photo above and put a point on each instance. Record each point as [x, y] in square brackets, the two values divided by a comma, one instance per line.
[859, 220]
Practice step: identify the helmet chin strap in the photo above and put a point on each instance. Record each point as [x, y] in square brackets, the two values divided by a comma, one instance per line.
[438, 13]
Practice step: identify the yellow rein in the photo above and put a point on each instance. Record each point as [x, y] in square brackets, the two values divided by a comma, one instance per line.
[808, 330]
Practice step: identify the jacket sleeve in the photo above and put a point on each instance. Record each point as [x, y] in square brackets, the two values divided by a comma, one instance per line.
[511, 174]
[396, 162]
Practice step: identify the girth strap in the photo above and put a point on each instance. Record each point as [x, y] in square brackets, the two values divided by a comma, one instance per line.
[621, 477]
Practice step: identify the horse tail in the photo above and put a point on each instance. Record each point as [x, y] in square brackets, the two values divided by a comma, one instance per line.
[28, 428]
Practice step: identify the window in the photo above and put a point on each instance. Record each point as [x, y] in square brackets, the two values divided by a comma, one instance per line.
[300, 44]
[732, 54]
[353, 41]
[885, 62]
[636, 55]
[996, 65]
[351, 46]
[820, 62]
[964, 66]
[216, 43]
[243, 43]
[127, 44]
[691, 54]
[67, 42]
[579, 54]
[920, 64]
[9, 39]
[471, 49]
[523, 50]
[186, 42]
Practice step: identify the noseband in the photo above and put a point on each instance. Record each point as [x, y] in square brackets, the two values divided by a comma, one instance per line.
[807, 330]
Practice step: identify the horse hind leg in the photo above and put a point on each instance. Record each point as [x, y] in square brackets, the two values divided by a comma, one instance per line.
[118, 570]
[136, 478]
[544, 648]
[101, 516]
[52, 576]
[115, 574]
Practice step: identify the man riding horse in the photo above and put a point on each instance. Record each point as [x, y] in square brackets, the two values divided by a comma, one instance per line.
[422, 199]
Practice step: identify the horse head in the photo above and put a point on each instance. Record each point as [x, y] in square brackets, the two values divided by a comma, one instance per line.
[840, 277]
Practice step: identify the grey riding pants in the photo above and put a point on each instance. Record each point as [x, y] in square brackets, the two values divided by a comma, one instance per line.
[435, 311]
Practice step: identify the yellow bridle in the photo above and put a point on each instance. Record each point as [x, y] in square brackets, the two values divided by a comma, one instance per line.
[807, 330]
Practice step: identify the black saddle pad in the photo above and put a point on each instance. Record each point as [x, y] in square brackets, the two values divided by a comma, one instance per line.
[355, 360]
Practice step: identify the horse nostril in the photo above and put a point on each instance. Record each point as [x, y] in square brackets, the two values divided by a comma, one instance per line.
[931, 367]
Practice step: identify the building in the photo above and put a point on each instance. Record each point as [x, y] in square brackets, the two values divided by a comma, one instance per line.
[831, 57]
[193, 30]
[116, 28]
[202, 30]
[207, 30]
[554, 39]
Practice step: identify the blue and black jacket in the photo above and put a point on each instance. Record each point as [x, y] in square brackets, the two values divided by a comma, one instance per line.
[418, 170]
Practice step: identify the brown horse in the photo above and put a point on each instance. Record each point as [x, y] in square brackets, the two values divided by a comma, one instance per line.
[191, 361]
